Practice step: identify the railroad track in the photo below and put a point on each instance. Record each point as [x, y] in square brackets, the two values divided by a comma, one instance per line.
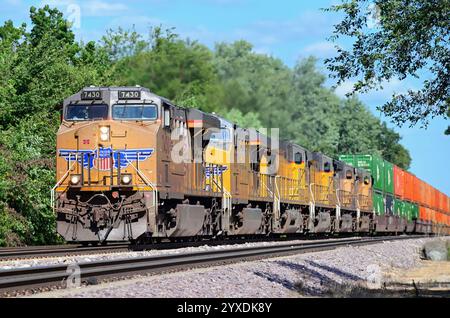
[16, 280]
[18, 253]
[7, 254]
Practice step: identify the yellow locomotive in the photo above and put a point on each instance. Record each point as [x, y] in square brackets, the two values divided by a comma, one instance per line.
[133, 166]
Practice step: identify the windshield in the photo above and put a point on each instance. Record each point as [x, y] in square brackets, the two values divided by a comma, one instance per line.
[222, 136]
[135, 112]
[221, 139]
[86, 112]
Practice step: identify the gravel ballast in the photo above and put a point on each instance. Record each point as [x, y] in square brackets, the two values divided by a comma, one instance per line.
[70, 259]
[311, 274]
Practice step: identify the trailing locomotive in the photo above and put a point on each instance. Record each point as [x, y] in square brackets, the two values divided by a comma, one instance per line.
[132, 166]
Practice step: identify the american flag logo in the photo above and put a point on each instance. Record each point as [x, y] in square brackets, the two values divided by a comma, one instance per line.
[215, 170]
[104, 158]
[101, 158]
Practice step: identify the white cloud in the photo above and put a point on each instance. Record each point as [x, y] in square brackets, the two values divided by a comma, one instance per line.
[101, 8]
[344, 88]
[14, 2]
[94, 8]
[141, 24]
[322, 49]
[380, 96]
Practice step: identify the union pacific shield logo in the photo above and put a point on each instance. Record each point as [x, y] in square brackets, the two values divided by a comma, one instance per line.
[103, 161]
[101, 158]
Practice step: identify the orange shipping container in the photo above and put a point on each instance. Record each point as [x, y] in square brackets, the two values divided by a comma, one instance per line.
[441, 201]
[416, 195]
[432, 216]
[428, 194]
[432, 197]
[436, 199]
[447, 205]
[423, 192]
[399, 182]
[438, 217]
[422, 213]
[409, 184]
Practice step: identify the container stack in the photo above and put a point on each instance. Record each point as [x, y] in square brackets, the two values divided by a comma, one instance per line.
[383, 181]
[401, 194]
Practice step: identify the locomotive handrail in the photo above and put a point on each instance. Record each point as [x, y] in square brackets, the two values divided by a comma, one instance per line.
[276, 186]
[149, 183]
[53, 190]
[226, 207]
[337, 198]
[264, 184]
[358, 207]
[276, 200]
[311, 191]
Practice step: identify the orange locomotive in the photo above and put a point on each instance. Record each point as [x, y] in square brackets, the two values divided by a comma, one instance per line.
[116, 177]
[132, 166]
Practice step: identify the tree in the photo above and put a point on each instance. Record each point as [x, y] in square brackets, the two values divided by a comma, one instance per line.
[38, 69]
[249, 120]
[411, 39]
[315, 111]
[390, 148]
[181, 70]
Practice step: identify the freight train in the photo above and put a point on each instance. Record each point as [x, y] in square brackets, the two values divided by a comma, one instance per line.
[133, 166]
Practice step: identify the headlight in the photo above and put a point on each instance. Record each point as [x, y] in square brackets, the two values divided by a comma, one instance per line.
[104, 133]
[126, 179]
[104, 137]
[75, 179]
[104, 130]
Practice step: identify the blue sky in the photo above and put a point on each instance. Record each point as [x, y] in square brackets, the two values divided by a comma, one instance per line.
[287, 29]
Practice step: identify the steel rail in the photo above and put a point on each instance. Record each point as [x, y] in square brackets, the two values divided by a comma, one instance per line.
[58, 250]
[57, 275]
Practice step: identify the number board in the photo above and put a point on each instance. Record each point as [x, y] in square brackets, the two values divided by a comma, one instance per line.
[91, 95]
[129, 94]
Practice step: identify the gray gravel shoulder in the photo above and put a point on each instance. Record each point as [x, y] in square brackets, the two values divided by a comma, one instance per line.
[57, 260]
[277, 277]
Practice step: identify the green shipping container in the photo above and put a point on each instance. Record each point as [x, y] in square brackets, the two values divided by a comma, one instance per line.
[378, 203]
[348, 159]
[408, 210]
[388, 177]
[415, 211]
[374, 164]
[399, 208]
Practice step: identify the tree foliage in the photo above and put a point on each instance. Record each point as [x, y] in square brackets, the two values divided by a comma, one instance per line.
[40, 67]
[411, 39]
[38, 70]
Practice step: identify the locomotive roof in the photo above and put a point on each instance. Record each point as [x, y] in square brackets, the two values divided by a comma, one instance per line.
[195, 116]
